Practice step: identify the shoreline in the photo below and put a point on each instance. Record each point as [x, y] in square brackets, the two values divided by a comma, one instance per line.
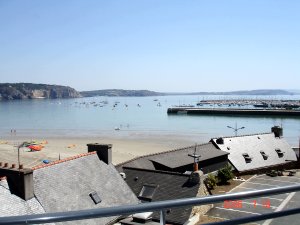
[123, 148]
[125, 145]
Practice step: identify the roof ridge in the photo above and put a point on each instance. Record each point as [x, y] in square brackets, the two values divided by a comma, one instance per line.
[157, 171]
[159, 153]
[63, 160]
[245, 135]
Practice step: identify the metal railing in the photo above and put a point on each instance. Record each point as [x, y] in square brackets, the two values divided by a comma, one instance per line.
[158, 206]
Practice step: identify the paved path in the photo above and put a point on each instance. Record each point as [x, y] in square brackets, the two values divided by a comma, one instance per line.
[261, 205]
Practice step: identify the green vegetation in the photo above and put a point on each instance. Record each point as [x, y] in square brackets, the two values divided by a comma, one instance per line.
[225, 174]
[12, 91]
[211, 181]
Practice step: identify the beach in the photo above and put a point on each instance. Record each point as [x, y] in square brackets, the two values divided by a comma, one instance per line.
[123, 148]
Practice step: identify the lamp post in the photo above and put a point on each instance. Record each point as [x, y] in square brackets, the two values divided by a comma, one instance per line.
[236, 128]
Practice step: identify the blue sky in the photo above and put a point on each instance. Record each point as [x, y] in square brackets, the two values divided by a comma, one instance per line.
[160, 45]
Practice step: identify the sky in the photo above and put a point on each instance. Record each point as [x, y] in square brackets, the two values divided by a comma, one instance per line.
[159, 45]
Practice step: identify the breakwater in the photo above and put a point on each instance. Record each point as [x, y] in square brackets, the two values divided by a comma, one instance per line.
[231, 111]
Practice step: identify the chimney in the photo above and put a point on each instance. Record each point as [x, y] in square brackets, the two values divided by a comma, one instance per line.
[196, 159]
[196, 166]
[195, 177]
[104, 151]
[278, 131]
[20, 182]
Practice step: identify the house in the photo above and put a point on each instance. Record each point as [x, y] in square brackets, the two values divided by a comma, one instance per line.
[76, 183]
[181, 160]
[257, 151]
[154, 185]
[172, 175]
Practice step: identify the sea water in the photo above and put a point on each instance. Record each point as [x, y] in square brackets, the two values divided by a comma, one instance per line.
[133, 115]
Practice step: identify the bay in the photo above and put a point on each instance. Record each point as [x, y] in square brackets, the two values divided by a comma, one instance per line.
[133, 116]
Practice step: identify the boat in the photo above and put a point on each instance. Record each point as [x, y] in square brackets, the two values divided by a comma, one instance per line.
[35, 147]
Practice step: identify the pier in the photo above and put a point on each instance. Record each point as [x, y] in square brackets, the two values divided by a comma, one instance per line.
[232, 111]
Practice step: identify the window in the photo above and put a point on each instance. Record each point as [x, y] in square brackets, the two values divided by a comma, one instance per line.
[147, 192]
[95, 197]
[247, 158]
[264, 155]
[279, 152]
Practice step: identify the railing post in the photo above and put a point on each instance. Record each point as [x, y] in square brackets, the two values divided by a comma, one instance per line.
[162, 217]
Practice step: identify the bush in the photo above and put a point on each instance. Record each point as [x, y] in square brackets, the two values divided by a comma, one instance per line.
[225, 174]
[211, 181]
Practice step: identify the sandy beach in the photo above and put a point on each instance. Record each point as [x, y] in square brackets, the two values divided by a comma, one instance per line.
[124, 148]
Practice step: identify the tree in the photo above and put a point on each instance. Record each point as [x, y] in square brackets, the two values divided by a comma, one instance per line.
[225, 174]
[211, 181]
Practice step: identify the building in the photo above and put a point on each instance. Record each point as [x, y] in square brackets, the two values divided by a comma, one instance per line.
[256, 152]
[172, 175]
[181, 160]
[154, 185]
[76, 183]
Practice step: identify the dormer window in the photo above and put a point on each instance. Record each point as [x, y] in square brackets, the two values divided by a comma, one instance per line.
[279, 152]
[264, 155]
[247, 158]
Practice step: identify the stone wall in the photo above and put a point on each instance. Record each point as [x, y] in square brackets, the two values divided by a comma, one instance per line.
[202, 192]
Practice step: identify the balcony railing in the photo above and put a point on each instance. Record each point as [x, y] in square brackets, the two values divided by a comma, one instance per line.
[158, 206]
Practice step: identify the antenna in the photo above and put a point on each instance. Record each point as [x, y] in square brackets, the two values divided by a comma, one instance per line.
[20, 146]
[196, 158]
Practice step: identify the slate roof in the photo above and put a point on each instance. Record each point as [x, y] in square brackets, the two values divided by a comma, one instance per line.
[174, 158]
[180, 157]
[253, 145]
[169, 186]
[66, 185]
[11, 205]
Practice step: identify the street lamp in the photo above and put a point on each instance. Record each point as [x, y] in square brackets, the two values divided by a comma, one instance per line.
[236, 128]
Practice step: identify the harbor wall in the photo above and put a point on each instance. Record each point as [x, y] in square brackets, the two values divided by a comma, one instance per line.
[258, 112]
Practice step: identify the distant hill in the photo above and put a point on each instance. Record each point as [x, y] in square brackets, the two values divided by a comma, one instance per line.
[120, 92]
[12, 91]
[251, 92]
[137, 93]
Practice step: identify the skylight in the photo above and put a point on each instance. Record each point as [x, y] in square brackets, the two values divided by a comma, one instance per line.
[147, 192]
[95, 197]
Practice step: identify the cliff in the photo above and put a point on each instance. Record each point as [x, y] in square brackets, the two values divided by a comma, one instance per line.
[11, 91]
